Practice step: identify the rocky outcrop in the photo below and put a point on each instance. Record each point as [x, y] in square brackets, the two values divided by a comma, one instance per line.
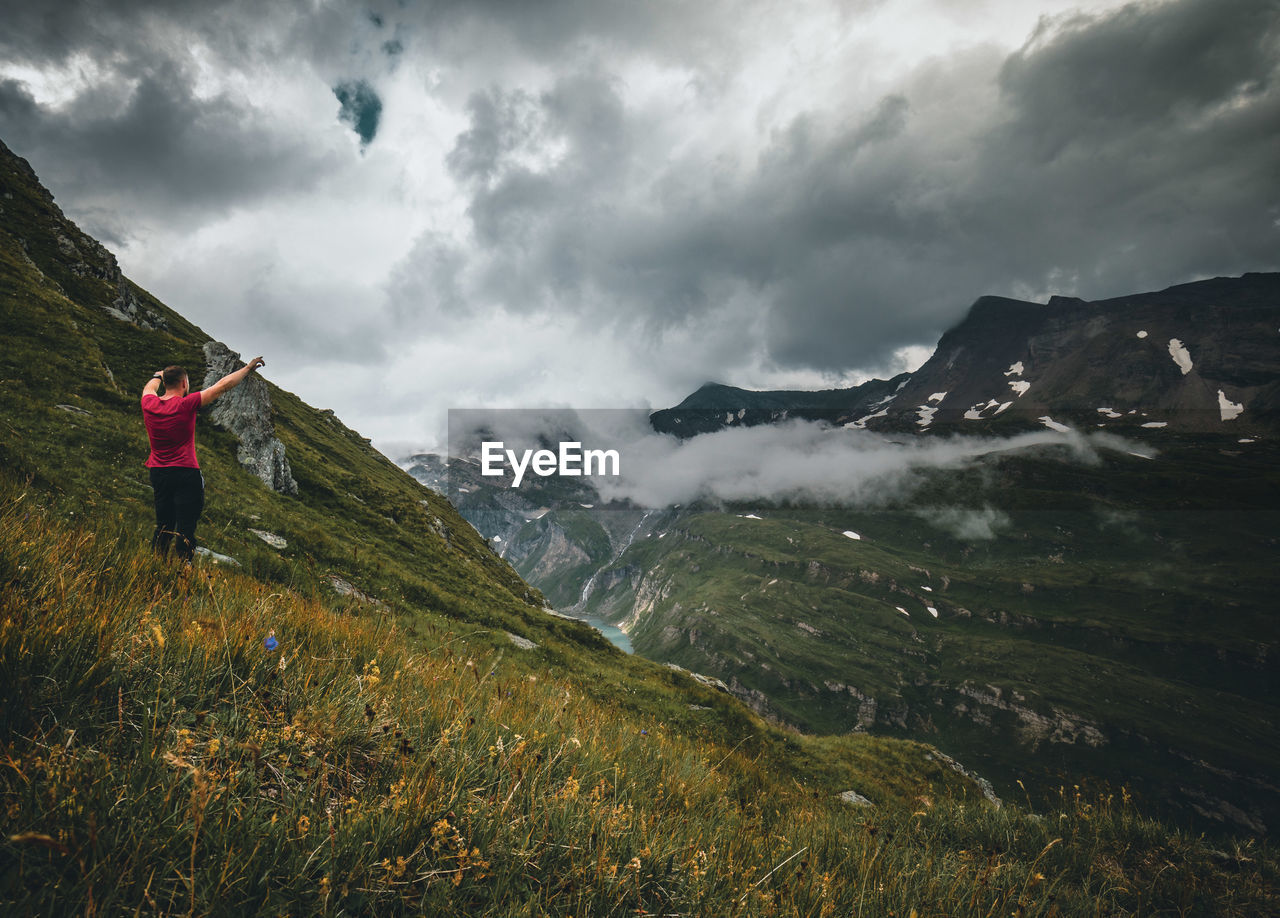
[983, 784]
[246, 412]
[128, 308]
[1198, 356]
[349, 590]
[70, 260]
[1034, 727]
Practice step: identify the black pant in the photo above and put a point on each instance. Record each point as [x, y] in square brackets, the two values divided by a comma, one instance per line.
[179, 497]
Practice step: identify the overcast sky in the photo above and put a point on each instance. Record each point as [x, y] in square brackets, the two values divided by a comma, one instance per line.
[410, 207]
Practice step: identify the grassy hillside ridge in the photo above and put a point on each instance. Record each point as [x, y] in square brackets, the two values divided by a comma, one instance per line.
[63, 348]
[158, 758]
[1118, 622]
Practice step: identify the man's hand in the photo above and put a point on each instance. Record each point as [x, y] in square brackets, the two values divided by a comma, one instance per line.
[230, 381]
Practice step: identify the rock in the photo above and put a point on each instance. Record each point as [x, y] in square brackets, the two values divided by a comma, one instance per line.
[215, 557]
[522, 642]
[345, 588]
[271, 538]
[127, 306]
[1034, 727]
[73, 409]
[867, 704]
[983, 784]
[708, 681]
[854, 798]
[246, 412]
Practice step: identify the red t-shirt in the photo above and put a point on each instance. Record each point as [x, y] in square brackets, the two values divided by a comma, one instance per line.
[171, 428]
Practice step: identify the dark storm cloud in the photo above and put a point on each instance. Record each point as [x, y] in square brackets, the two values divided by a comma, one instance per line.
[157, 142]
[1112, 154]
[1124, 153]
[139, 136]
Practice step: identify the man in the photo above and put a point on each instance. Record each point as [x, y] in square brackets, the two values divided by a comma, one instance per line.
[175, 472]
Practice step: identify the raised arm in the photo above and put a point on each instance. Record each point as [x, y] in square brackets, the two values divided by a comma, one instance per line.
[230, 381]
[153, 385]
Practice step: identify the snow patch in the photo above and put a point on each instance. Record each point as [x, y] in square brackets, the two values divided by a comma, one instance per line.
[1246, 440]
[1142, 455]
[1003, 407]
[1054, 425]
[1142, 334]
[1109, 413]
[927, 589]
[932, 611]
[926, 413]
[861, 423]
[750, 516]
[937, 397]
[903, 611]
[849, 533]
[586, 506]
[1181, 356]
[1019, 386]
[1229, 409]
[975, 411]
[1015, 369]
[1154, 425]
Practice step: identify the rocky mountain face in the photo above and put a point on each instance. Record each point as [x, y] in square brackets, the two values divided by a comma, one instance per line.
[1203, 356]
[70, 260]
[246, 412]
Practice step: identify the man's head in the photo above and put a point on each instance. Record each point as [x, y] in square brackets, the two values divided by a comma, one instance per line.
[175, 380]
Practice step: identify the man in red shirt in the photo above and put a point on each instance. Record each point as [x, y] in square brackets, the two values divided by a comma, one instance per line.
[175, 472]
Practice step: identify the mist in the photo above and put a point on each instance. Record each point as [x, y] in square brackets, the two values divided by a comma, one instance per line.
[802, 462]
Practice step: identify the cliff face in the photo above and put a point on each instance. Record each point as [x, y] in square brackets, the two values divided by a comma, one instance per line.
[246, 412]
[1203, 357]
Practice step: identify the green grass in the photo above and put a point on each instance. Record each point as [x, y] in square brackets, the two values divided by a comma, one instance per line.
[1150, 625]
[157, 758]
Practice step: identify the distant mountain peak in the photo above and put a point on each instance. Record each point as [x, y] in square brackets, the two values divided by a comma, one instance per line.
[1201, 356]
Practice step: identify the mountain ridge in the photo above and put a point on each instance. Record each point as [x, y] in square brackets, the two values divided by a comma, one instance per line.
[1011, 362]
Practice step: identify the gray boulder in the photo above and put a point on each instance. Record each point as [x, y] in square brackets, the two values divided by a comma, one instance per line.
[246, 412]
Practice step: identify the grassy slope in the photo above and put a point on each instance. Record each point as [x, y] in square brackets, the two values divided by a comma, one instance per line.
[156, 758]
[1147, 623]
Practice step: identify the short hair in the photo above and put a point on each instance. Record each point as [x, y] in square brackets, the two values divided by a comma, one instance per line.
[172, 376]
